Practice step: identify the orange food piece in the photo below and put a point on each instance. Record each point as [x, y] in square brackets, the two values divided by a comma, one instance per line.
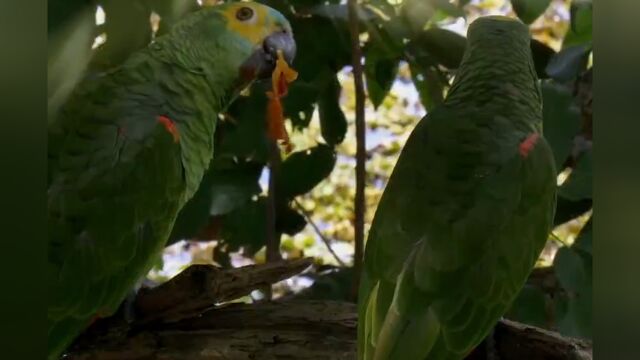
[281, 77]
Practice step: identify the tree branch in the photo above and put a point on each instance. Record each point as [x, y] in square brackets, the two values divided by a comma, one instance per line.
[359, 202]
[200, 287]
[300, 330]
[273, 237]
[320, 234]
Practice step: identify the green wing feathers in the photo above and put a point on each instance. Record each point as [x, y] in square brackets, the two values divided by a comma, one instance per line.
[458, 277]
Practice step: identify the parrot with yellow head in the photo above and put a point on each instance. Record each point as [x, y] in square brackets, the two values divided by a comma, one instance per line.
[129, 148]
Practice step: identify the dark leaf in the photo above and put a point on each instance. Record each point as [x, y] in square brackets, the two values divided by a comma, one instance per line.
[233, 186]
[541, 54]
[62, 12]
[569, 63]
[247, 226]
[341, 13]
[380, 71]
[333, 123]
[584, 242]
[567, 210]
[416, 13]
[243, 133]
[303, 170]
[128, 29]
[69, 53]
[322, 44]
[574, 271]
[579, 185]
[448, 8]
[289, 221]
[561, 120]
[529, 10]
[299, 103]
[226, 186]
[170, 11]
[529, 307]
[443, 46]
[195, 214]
[429, 85]
[333, 284]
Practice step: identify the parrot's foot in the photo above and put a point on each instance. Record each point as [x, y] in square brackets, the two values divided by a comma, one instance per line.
[528, 144]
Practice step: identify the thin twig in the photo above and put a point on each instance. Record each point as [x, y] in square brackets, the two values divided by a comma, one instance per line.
[273, 238]
[359, 202]
[317, 230]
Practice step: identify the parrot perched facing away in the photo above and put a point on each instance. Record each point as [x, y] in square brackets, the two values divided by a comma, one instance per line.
[130, 147]
[467, 209]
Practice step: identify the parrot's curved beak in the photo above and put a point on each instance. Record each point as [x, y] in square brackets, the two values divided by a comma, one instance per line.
[262, 61]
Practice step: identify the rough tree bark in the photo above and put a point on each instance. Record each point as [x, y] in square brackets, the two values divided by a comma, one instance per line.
[179, 320]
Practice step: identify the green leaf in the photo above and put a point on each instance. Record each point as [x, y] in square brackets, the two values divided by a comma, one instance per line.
[579, 185]
[561, 120]
[442, 46]
[529, 10]
[303, 170]
[380, 71]
[333, 122]
[580, 31]
[429, 85]
[569, 63]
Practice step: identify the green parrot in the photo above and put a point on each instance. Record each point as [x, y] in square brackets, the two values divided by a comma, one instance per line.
[129, 148]
[467, 209]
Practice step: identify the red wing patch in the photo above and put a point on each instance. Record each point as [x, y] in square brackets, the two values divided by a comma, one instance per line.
[528, 144]
[170, 126]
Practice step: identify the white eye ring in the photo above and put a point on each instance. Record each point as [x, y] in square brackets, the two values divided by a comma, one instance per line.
[244, 13]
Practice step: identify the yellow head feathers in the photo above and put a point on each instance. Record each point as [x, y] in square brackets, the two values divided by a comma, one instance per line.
[253, 21]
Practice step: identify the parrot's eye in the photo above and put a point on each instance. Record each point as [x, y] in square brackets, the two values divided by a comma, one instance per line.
[244, 13]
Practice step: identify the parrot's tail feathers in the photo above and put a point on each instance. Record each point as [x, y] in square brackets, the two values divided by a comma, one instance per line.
[411, 327]
[408, 336]
[61, 334]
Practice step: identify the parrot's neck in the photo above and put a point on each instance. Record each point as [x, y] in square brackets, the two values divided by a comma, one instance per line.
[499, 80]
[193, 96]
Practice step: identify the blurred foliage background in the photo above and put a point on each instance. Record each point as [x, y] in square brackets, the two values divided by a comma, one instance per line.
[411, 51]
